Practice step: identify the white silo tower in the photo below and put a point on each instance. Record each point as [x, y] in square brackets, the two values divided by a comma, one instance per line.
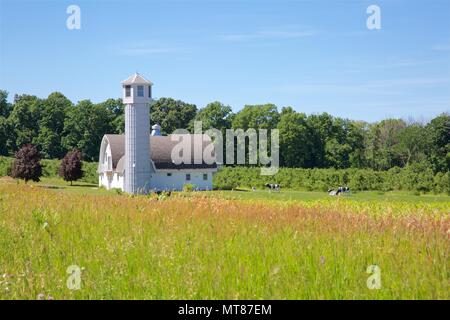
[137, 97]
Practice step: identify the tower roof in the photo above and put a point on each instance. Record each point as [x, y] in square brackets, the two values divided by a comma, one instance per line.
[136, 79]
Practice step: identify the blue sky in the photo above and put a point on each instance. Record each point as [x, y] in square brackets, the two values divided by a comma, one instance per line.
[315, 56]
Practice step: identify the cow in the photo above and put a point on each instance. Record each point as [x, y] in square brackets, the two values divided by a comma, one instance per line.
[339, 190]
[273, 186]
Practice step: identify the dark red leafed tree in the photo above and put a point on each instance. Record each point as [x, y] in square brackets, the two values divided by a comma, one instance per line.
[71, 168]
[26, 164]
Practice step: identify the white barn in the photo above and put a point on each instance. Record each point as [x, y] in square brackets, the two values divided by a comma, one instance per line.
[139, 161]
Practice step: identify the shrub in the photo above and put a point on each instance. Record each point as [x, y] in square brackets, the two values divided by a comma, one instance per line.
[90, 174]
[5, 166]
[50, 168]
[188, 187]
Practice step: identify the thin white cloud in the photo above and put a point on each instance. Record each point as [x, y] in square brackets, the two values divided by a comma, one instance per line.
[389, 64]
[405, 104]
[144, 49]
[270, 34]
[385, 86]
[441, 47]
[407, 63]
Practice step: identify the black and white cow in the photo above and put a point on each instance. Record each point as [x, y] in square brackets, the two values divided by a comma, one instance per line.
[339, 190]
[273, 186]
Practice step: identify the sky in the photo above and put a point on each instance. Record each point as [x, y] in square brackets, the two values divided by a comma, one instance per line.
[315, 56]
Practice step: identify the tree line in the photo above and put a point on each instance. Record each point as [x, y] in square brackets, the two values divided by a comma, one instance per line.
[55, 126]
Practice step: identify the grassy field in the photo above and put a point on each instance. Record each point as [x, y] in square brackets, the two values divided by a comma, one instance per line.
[295, 196]
[220, 245]
[246, 194]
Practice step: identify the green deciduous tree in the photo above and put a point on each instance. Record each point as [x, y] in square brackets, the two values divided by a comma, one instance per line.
[117, 110]
[23, 120]
[4, 134]
[295, 139]
[321, 130]
[382, 148]
[215, 115]
[438, 134]
[172, 114]
[5, 107]
[356, 138]
[264, 116]
[84, 127]
[51, 125]
[412, 144]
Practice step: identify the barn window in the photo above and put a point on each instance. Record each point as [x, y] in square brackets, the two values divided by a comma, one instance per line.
[149, 91]
[140, 91]
[127, 91]
[205, 176]
[188, 177]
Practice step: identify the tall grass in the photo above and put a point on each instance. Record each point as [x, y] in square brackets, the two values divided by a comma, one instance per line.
[198, 247]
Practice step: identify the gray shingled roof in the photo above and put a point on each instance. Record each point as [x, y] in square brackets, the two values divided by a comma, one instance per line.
[160, 152]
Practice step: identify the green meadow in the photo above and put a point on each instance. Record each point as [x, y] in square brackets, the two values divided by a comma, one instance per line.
[221, 244]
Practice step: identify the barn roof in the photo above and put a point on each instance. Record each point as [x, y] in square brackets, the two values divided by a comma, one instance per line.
[161, 151]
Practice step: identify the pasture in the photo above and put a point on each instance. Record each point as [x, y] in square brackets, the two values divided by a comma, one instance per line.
[220, 244]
